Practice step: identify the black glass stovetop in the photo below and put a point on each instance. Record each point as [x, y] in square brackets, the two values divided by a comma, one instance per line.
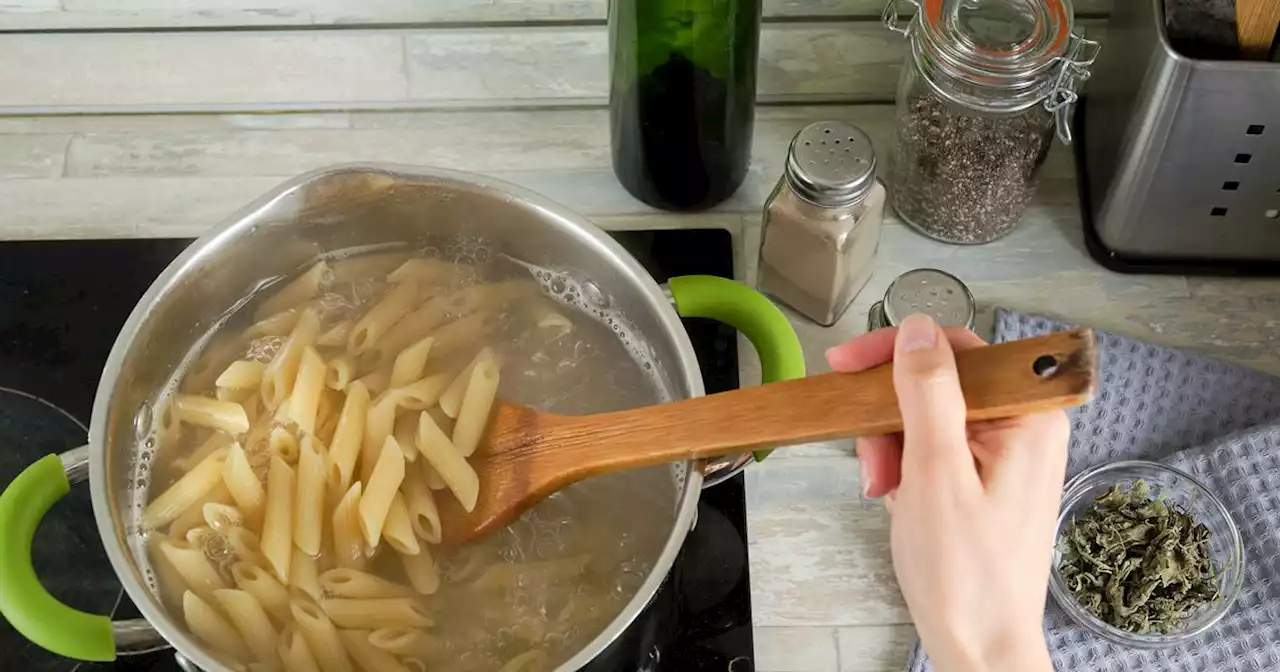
[61, 306]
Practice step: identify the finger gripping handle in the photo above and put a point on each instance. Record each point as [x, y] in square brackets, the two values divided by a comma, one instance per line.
[24, 602]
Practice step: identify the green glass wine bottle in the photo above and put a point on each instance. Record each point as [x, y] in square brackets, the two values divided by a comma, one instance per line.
[682, 98]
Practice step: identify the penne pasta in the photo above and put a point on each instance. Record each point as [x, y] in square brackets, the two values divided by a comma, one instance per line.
[405, 432]
[259, 583]
[393, 306]
[222, 517]
[370, 264]
[278, 377]
[296, 654]
[304, 402]
[226, 416]
[463, 332]
[414, 664]
[345, 448]
[277, 523]
[377, 381]
[211, 628]
[283, 444]
[473, 415]
[463, 304]
[424, 517]
[378, 426]
[237, 397]
[193, 566]
[250, 620]
[434, 480]
[429, 271]
[295, 292]
[341, 371]
[336, 336]
[215, 441]
[385, 612]
[408, 642]
[278, 324]
[169, 583]
[380, 490]
[419, 395]
[321, 635]
[540, 573]
[370, 657]
[193, 517]
[410, 363]
[309, 503]
[244, 544]
[304, 572]
[348, 540]
[327, 416]
[397, 530]
[451, 400]
[448, 462]
[243, 485]
[422, 572]
[351, 583]
[529, 661]
[186, 492]
[213, 361]
[242, 375]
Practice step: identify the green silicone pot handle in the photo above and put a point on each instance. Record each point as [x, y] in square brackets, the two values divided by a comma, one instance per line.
[23, 601]
[748, 311]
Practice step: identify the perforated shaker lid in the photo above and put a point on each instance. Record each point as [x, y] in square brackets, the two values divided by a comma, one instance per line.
[935, 293]
[831, 164]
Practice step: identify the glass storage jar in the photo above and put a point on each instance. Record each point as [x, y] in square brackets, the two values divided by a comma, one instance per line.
[985, 86]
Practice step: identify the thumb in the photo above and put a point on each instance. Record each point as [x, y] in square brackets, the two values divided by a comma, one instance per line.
[935, 447]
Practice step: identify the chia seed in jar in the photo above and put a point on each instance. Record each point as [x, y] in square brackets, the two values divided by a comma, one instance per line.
[964, 177]
[985, 86]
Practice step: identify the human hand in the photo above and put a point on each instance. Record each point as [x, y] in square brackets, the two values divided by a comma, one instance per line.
[973, 506]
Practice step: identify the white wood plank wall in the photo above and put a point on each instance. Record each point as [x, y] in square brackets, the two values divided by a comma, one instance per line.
[133, 14]
[395, 54]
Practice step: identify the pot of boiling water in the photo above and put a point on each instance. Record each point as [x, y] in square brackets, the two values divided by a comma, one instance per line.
[561, 583]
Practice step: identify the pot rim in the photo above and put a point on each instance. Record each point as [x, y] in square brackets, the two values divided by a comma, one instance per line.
[657, 300]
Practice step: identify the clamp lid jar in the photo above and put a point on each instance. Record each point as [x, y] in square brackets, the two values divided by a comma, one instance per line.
[987, 84]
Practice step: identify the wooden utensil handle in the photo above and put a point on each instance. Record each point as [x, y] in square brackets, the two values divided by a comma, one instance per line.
[999, 381]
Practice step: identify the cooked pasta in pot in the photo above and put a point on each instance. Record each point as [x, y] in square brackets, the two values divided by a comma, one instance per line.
[292, 514]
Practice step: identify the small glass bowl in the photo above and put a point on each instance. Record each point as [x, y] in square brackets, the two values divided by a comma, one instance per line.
[1174, 485]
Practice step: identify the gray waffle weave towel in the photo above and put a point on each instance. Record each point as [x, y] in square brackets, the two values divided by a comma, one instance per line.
[1221, 423]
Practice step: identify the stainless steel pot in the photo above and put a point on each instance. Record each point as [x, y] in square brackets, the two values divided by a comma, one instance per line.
[323, 211]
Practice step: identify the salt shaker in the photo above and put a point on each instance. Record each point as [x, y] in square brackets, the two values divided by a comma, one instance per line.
[935, 293]
[822, 222]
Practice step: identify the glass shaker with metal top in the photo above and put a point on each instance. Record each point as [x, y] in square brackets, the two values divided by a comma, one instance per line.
[822, 223]
[986, 85]
[928, 291]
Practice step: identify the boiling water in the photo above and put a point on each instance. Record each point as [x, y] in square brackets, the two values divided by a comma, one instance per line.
[551, 581]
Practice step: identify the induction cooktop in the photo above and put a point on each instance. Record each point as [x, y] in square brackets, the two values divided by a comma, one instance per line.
[61, 306]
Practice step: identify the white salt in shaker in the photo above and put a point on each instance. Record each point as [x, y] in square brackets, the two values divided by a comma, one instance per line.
[822, 223]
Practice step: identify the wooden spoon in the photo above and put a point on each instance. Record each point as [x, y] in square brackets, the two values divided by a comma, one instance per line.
[527, 455]
[1256, 23]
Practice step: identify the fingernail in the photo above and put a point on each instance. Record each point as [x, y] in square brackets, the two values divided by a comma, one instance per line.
[917, 332]
[865, 479]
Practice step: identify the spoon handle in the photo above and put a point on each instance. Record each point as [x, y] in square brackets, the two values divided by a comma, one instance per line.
[999, 381]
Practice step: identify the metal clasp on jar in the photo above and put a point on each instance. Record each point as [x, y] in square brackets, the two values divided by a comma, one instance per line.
[1073, 71]
[890, 17]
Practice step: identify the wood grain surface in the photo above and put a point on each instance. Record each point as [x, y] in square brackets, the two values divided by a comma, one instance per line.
[527, 455]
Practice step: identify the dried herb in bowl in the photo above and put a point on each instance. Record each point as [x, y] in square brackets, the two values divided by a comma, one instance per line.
[1138, 563]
